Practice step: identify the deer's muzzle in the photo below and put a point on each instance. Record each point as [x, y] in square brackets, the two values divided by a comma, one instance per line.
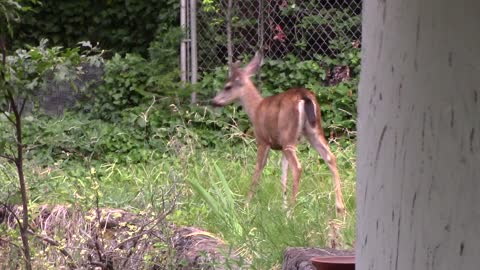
[215, 103]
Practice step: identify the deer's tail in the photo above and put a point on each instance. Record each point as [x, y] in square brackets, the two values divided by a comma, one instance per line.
[310, 111]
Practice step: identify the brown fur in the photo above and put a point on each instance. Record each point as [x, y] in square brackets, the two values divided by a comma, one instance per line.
[279, 116]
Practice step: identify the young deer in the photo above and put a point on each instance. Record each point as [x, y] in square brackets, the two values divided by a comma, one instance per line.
[279, 121]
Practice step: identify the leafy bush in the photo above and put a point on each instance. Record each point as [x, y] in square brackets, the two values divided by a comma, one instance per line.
[132, 80]
[27, 72]
[138, 135]
[122, 26]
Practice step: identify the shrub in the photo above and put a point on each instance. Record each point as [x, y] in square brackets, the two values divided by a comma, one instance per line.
[120, 26]
[132, 80]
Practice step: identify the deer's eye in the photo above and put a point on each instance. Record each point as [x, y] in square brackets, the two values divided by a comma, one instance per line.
[228, 88]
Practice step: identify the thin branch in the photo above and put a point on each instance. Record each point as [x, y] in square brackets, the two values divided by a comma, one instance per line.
[18, 162]
[144, 231]
[99, 248]
[3, 48]
[136, 239]
[7, 157]
[10, 147]
[12, 102]
[13, 214]
[140, 232]
[8, 117]
[149, 108]
[23, 105]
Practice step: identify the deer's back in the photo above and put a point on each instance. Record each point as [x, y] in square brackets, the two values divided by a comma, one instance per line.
[280, 119]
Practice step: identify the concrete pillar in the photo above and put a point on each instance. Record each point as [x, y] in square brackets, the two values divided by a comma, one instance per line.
[418, 185]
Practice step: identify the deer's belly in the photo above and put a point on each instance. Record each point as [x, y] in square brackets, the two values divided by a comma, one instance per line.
[276, 147]
[272, 142]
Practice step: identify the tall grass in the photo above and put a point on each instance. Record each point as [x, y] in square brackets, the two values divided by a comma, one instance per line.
[212, 184]
[267, 228]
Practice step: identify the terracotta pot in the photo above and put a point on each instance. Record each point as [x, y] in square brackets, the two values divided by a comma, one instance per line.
[334, 262]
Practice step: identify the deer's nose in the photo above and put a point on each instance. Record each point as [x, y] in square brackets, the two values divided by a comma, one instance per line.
[215, 103]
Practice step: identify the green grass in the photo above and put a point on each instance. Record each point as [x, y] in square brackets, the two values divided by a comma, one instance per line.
[266, 228]
[210, 187]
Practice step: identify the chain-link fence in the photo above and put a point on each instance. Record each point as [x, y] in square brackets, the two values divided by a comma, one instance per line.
[229, 29]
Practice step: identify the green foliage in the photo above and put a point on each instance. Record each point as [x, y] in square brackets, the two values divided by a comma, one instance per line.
[278, 75]
[124, 85]
[133, 80]
[121, 26]
[221, 201]
[258, 233]
[77, 138]
[29, 69]
[9, 12]
[262, 230]
[26, 72]
[139, 134]
[334, 22]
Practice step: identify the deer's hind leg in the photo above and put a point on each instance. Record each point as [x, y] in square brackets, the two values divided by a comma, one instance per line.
[318, 141]
[284, 180]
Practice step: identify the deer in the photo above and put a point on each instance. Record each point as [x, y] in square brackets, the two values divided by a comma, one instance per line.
[279, 121]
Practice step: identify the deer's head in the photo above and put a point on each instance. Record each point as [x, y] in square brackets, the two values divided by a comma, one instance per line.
[239, 83]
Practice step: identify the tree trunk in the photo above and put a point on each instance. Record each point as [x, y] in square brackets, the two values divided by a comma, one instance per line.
[418, 189]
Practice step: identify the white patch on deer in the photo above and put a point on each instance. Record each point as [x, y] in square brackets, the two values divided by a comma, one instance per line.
[301, 117]
[314, 110]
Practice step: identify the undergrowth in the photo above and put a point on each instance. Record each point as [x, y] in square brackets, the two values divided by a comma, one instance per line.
[212, 183]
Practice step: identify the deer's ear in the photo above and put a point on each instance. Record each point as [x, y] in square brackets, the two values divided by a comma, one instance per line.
[235, 66]
[254, 64]
[235, 69]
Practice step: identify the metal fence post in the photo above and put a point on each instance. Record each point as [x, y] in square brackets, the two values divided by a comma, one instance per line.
[193, 46]
[183, 45]
[261, 22]
[229, 34]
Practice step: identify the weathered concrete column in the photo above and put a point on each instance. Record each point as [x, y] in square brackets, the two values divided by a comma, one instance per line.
[418, 189]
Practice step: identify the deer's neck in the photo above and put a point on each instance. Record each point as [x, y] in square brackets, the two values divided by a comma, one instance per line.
[250, 102]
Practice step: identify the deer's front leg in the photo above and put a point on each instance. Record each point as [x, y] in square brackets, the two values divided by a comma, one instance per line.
[262, 154]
